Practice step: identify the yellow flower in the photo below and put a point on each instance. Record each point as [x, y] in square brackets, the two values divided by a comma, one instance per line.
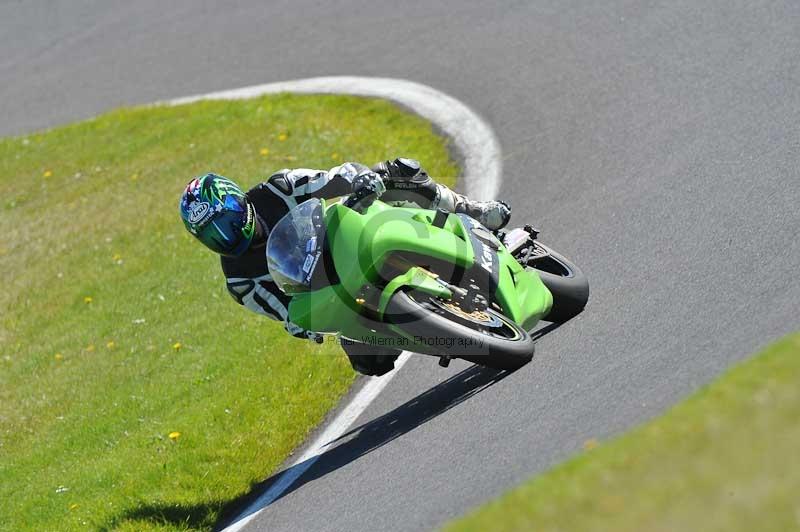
[177, 346]
[58, 356]
[282, 137]
[73, 506]
[47, 173]
[335, 156]
[264, 151]
[90, 348]
[590, 444]
[111, 344]
[174, 435]
[87, 299]
[134, 177]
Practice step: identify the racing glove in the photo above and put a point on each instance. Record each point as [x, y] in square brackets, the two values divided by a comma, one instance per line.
[367, 187]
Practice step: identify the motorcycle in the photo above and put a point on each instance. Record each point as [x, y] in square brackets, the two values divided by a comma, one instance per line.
[430, 282]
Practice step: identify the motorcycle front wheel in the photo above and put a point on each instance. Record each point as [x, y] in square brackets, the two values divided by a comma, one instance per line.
[564, 279]
[438, 327]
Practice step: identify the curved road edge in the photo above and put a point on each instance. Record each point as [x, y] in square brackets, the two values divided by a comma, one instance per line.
[474, 139]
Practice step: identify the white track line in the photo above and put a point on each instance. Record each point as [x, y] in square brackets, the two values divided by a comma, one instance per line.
[335, 428]
[479, 149]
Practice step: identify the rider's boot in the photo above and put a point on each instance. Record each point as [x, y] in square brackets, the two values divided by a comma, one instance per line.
[493, 214]
[407, 182]
[368, 359]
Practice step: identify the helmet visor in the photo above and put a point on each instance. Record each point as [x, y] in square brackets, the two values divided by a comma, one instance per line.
[229, 232]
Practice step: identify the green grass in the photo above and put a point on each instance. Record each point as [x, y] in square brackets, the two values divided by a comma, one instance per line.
[727, 459]
[116, 328]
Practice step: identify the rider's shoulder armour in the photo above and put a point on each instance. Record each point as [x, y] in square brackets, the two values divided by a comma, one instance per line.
[280, 182]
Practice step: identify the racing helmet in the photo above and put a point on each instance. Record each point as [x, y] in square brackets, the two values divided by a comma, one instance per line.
[217, 212]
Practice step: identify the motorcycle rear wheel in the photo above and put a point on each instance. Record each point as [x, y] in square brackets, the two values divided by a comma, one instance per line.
[439, 329]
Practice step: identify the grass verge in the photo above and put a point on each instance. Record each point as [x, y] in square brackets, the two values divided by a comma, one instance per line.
[727, 458]
[135, 394]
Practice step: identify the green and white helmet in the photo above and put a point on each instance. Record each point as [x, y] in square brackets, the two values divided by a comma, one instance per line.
[216, 211]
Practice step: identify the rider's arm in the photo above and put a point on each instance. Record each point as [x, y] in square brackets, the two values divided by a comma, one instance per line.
[263, 296]
[298, 185]
[405, 180]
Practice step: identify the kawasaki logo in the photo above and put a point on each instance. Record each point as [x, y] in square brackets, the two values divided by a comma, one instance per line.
[487, 255]
[486, 264]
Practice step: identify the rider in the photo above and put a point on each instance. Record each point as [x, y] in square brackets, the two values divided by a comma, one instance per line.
[236, 225]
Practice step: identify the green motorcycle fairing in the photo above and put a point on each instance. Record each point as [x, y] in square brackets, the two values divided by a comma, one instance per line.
[373, 254]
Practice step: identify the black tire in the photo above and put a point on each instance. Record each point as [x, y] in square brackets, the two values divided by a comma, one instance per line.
[566, 282]
[457, 340]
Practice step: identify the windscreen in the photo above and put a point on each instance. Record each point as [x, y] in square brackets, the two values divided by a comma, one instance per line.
[295, 245]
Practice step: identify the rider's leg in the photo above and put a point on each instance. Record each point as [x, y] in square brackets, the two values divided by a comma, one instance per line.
[492, 214]
[406, 182]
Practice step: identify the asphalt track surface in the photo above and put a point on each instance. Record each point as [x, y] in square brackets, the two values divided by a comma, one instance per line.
[656, 143]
